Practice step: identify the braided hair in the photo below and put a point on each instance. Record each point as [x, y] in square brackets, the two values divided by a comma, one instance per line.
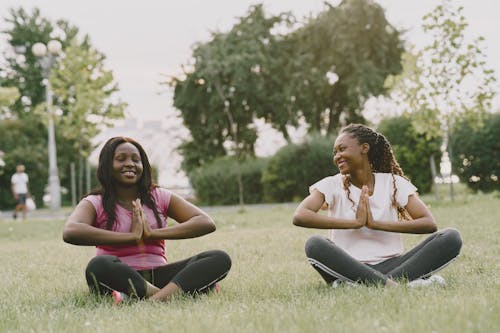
[108, 189]
[381, 159]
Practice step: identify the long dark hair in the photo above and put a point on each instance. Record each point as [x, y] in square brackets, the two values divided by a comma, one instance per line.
[381, 159]
[108, 186]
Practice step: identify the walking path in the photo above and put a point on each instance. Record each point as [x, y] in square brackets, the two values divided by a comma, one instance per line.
[46, 214]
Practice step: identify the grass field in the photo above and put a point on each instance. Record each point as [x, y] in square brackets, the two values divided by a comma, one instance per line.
[271, 287]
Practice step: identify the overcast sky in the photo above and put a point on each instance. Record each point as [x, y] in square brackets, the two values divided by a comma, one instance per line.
[145, 41]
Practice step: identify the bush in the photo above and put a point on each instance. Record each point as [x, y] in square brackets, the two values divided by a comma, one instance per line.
[476, 154]
[295, 167]
[412, 150]
[217, 183]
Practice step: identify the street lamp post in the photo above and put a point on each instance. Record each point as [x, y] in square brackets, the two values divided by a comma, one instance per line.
[47, 55]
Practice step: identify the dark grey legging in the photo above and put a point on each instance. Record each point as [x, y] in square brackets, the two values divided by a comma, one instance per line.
[433, 254]
[196, 274]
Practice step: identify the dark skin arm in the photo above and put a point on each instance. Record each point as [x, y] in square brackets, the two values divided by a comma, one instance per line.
[306, 215]
[192, 221]
[422, 221]
[79, 229]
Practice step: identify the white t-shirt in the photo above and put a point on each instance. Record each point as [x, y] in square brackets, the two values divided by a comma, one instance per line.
[20, 182]
[365, 244]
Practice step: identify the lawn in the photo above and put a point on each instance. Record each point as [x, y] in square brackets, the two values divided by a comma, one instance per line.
[271, 287]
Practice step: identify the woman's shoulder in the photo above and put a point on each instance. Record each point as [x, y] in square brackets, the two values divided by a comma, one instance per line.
[160, 191]
[390, 176]
[330, 180]
[391, 179]
[328, 185]
[93, 198]
[96, 201]
[162, 197]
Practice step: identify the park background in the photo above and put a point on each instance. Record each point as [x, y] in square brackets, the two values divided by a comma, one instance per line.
[237, 105]
[143, 48]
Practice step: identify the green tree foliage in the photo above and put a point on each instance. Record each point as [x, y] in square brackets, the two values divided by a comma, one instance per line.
[295, 167]
[227, 88]
[216, 183]
[8, 96]
[353, 44]
[450, 80]
[82, 100]
[29, 150]
[82, 87]
[22, 69]
[477, 154]
[412, 150]
[253, 71]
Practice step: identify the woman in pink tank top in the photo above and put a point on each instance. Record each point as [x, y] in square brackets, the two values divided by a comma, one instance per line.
[126, 220]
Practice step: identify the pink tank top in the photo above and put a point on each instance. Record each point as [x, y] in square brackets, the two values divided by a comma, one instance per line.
[149, 255]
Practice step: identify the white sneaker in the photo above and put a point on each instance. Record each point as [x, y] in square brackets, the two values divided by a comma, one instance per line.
[433, 279]
[438, 280]
[338, 283]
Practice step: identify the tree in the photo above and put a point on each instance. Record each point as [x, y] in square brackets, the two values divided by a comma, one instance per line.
[450, 82]
[477, 154]
[22, 69]
[84, 91]
[254, 71]
[450, 79]
[225, 90]
[411, 149]
[21, 141]
[82, 87]
[346, 53]
[8, 96]
[295, 167]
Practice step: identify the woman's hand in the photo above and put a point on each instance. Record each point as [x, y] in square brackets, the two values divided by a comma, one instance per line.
[370, 223]
[363, 211]
[137, 227]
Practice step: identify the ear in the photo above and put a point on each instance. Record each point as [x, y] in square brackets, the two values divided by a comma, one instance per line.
[365, 148]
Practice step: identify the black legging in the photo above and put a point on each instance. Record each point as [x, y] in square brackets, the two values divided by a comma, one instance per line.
[433, 254]
[196, 274]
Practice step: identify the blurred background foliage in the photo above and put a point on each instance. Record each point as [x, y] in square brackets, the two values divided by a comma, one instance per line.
[316, 72]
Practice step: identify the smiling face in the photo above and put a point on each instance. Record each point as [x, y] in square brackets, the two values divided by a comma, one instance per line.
[127, 164]
[348, 154]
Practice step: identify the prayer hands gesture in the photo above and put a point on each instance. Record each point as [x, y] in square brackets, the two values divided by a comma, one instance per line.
[364, 216]
[140, 226]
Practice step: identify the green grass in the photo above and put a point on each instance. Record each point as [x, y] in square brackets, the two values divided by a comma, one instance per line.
[271, 287]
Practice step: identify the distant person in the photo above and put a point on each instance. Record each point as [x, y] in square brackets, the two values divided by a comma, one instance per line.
[370, 203]
[126, 220]
[20, 190]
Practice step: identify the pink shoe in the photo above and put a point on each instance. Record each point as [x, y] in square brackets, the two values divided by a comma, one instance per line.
[118, 297]
[217, 288]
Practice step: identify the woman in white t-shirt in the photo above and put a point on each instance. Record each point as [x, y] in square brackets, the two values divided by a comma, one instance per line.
[370, 203]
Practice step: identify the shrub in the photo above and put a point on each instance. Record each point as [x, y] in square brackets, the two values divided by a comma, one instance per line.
[476, 154]
[295, 167]
[217, 183]
[412, 150]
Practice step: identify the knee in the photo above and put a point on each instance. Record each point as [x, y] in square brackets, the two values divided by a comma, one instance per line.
[99, 264]
[315, 246]
[453, 239]
[223, 260]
